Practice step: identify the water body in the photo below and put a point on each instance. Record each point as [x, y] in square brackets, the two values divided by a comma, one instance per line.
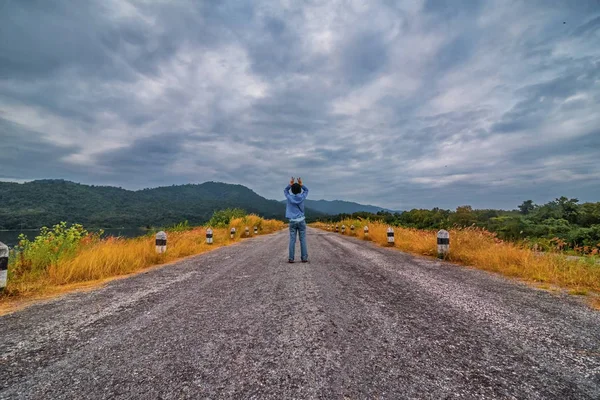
[11, 238]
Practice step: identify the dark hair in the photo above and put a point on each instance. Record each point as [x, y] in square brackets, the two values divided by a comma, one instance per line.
[296, 188]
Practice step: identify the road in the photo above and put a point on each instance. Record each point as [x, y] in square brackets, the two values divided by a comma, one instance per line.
[358, 321]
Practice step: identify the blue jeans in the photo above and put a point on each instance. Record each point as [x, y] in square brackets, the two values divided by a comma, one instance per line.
[301, 228]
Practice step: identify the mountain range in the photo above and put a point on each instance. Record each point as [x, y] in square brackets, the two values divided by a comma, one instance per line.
[46, 202]
[335, 207]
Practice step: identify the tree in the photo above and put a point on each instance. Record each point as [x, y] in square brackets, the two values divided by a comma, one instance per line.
[568, 208]
[526, 207]
[221, 218]
[589, 214]
[463, 216]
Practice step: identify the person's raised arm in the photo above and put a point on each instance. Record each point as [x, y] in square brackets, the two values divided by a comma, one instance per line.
[304, 191]
[286, 191]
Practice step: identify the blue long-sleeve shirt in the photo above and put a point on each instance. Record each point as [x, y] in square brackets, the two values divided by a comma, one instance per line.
[294, 209]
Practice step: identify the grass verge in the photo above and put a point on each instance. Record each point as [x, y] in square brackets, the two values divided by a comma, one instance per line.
[57, 263]
[483, 250]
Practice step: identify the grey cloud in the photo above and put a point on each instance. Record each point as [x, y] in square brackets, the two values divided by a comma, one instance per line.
[151, 155]
[363, 57]
[540, 99]
[584, 148]
[275, 51]
[41, 40]
[24, 155]
[449, 9]
[458, 51]
[588, 29]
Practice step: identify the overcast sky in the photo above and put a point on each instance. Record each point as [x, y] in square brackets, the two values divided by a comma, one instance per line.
[399, 104]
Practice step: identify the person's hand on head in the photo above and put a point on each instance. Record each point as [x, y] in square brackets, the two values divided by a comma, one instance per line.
[292, 181]
[300, 181]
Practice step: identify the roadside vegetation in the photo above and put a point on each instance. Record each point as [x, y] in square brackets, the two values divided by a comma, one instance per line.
[68, 254]
[477, 247]
[559, 225]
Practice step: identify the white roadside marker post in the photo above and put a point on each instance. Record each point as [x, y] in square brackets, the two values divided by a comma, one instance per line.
[352, 230]
[343, 229]
[232, 233]
[256, 230]
[3, 266]
[366, 231]
[337, 229]
[247, 231]
[161, 242]
[443, 243]
[390, 236]
[209, 236]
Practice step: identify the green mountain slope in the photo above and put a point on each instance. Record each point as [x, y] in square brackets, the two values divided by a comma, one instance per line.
[341, 207]
[46, 202]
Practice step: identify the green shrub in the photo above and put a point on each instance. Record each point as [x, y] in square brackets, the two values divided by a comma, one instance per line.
[35, 256]
[222, 218]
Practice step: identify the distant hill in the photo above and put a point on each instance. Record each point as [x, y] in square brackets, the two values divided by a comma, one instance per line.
[341, 207]
[47, 202]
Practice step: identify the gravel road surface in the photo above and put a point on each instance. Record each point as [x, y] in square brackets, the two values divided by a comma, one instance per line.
[357, 322]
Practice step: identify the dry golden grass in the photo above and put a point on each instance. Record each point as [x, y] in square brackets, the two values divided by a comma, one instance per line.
[481, 249]
[119, 256]
[252, 221]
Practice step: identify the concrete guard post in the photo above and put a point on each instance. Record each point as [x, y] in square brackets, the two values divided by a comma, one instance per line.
[232, 233]
[247, 231]
[3, 266]
[161, 242]
[209, 236]
[390, 236]
[443, 243]
[337, 229]
[352, 229]
[343, 229]
[256, 230]
[366, 229]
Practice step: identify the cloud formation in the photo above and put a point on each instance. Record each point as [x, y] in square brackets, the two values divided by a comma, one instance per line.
[400, 104]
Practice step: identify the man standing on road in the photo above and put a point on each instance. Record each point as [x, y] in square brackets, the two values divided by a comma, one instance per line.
[294, 211]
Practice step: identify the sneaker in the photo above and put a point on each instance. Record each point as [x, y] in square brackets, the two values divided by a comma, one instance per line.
[304, 261]
[291, 261]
